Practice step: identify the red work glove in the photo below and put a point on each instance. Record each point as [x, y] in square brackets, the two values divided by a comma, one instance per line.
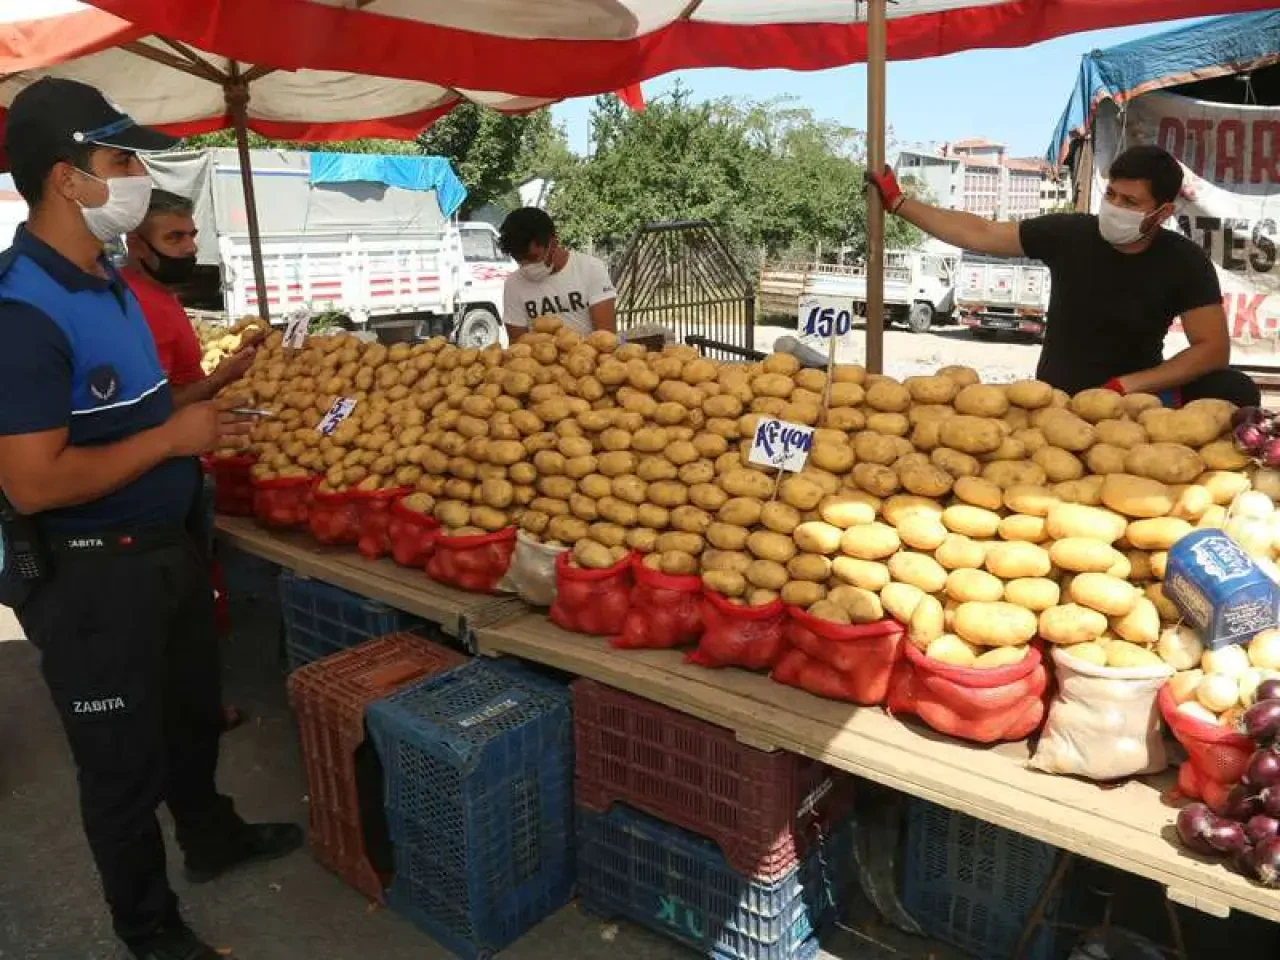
[887, 184]
[1114, 384]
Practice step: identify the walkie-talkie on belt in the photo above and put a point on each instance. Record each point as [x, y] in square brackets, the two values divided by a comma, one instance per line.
[24, 557]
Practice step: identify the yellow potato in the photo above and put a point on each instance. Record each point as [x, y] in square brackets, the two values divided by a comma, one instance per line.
[846, 510]
[690, 519]
[994, 624]
[1160, 533]
[927, 623]
[1121, 655]
[1018, 560]
[1164, 606]
[1064, 429]
[979, 400]
[866, 574]
[919, 570]
[922, 531]
[1070, 624]
[979, 493]
[925, 480]
[889, 424]
[955, 463]
[900, 600]
[871, 541]
[801, 491]
[1141, 625]
[958, 552]
[592, 555]
[1082, 555]
[1037, 594]
[1104, 459]
[1023, 527]
[973, 435]
[876, 480]
[726, 536]
[1058, 465]
[747, 483]
[1029, 394]
[1137, 496]
[1009, 473]
[767, 545]
[1166, 462]
[567, 529]
[951, 650]
[1097, 405]
[1086, 491]
[615, 463]
[815, 536]
[999, 657]
[1075, 520]
[966, 585]
[1120, 433]
[678, 563]
[767, 574]
[971, 521]
[1089, 652]
[809, 566]
[1104, 593]
[1223, 455]
[682, 542]
[888, 396]
[803, 593]
[830, 611]
[1034, 501]
[1223, 485]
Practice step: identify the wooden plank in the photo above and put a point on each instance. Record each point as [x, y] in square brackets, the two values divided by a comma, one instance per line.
[1126, 826]
[404, 589]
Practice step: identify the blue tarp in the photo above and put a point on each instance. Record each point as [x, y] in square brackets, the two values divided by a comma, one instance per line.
[408, 173]
[1223, 45]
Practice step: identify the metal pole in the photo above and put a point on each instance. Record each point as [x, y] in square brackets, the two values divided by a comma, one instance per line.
[236, 92]
[876, 45]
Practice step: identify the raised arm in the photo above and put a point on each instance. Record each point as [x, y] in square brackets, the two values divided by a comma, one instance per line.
[960, 229]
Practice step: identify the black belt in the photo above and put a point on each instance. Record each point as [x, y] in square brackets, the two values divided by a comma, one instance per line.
[120, 541]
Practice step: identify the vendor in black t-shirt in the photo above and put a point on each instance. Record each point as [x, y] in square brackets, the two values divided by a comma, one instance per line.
[1118, 282]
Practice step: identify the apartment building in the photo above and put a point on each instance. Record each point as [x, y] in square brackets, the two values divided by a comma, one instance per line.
[977, 176]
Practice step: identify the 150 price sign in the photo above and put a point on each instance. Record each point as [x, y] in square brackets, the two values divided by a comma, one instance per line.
[816, 320]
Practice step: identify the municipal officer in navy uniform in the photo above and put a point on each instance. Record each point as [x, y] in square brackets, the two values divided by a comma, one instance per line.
[99, 473]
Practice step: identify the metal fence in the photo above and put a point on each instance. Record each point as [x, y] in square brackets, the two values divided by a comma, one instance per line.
[682, 276]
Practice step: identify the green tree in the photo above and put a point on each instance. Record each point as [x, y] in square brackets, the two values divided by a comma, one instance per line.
[227, 138]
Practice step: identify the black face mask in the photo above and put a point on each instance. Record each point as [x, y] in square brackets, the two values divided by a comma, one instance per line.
[170, 271]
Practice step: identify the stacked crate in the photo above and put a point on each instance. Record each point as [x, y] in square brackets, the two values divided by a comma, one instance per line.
[329, 698]
[735, 851]
[478, 790]
[320, 619]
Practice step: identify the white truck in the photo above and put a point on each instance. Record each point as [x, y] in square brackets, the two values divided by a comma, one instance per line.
[918, 286]
[386, 256]
[1000, 295]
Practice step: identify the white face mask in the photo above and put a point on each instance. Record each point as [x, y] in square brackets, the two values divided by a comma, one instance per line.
[1120, 227]
[535, 272]
[126, 206]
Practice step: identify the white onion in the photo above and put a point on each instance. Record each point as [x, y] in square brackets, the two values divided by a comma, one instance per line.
[1251, 533]
[1268, 566]
[1193, 709]
[1218, 692]
[1229, 661]
[1264, 650]
[1253, 505]
[1267, 481]
[1180, 647]
[1183, 685]
[1247, 685]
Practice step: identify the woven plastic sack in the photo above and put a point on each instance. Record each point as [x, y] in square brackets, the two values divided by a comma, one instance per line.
[411, 534]
[1216, 756]
[986, 706]
[1103, 723]
[333, 518]
[282, 502]
[594, 602]
[734, 636]
[532, 576]
[476, 563]
[840, 661]
[666, 610]
[232, 483]
[373, 520]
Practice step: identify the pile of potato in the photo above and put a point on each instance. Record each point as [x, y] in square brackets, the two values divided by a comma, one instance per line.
[218, 342]
[979, 515]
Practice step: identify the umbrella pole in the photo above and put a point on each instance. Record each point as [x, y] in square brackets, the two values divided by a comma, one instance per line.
[237, 96]
[876, 48]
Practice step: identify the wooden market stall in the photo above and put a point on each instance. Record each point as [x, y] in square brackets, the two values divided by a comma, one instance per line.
[1128, 826]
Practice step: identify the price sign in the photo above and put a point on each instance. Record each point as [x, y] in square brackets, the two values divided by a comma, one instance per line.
[781, 445]
[815, 320]
[295, 330]
[340, 410]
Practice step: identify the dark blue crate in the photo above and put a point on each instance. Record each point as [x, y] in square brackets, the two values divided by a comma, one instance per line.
[973, 885]
[320, 619]
[479, 797]
[635, 866]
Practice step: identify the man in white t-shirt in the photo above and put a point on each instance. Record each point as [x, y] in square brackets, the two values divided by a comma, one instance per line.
[552, 280]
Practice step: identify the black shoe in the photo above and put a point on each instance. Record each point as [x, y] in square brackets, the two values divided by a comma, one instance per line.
[175, 942]
[251, 843]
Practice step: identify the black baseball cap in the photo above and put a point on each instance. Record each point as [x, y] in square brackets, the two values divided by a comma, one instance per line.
[53, 116]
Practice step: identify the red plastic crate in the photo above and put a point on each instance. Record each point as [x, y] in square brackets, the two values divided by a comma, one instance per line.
[329, 697]
[760, 807]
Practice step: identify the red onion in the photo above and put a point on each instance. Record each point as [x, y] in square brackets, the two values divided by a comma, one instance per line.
[1262, 720]
[1271, 452]
[1250, 437]
[1264, 768]
[1267, 690]
[1226, 836]
[1194, 821]
[1242, 803]
[1266, 862]
[1270, 800]
[1261, 827]
[1243, 415]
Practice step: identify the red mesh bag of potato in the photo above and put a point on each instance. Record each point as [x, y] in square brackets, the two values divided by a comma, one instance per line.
[986, 706]
[851, 662]
[373, 520]
[666, 610]
[282, 502]
[411, 534]
[476, 562]
[740, 636]
[1216, 756]
[232, 483]
[592, 601]
[333, 518]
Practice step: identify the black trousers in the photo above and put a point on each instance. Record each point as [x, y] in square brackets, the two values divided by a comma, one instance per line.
[130, 656]
[1225, 384]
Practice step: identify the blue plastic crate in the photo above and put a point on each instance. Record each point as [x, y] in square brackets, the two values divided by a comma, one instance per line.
[973, 885]
[479, 797]
[670, 880]
[320, 619]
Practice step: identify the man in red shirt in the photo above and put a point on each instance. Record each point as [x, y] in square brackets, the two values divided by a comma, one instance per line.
[162, 254]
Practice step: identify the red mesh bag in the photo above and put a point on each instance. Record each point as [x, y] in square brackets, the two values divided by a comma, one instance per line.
[666, 610]
[373, 520]
[1216, 756]
[594, 602]
[474, 563]
[282, 502]
[333, 518]
[232, 484]
[840, 661]
[411, 535]
[733, 636]
[986, 706]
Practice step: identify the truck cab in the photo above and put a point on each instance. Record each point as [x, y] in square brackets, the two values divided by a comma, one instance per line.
[485, 269]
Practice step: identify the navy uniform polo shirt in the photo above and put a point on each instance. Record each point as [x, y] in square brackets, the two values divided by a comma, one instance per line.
[76, 353]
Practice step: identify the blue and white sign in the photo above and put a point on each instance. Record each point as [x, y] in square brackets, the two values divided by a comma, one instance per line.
[815, 320]
[781, 445]
[340, 410]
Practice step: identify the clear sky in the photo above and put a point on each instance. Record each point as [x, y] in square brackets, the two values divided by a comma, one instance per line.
[1011, 96]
